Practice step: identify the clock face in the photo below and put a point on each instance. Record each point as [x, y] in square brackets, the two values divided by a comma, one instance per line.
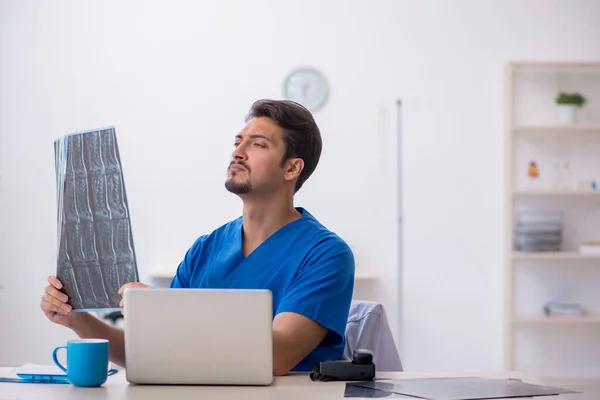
[306, 86]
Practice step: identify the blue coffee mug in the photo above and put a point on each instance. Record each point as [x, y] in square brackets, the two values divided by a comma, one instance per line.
[87, 362]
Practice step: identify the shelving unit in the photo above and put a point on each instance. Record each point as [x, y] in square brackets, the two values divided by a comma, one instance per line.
[564, 154]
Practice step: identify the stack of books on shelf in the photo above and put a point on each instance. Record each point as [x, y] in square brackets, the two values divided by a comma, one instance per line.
[538, 230]
[562, 309]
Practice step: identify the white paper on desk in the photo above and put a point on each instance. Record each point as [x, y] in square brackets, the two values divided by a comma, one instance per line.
[463, 388]
[38, 369]
[10, 374]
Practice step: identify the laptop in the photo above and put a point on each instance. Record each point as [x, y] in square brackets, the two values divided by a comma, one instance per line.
[199, 336]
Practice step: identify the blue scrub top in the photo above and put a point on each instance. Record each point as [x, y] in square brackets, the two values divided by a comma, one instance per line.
[309, 270]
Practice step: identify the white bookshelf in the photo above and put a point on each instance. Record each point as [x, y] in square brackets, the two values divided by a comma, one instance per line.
[553, 346]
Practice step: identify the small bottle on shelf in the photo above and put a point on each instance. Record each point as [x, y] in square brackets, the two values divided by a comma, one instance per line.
[567, 176]
[557, 182]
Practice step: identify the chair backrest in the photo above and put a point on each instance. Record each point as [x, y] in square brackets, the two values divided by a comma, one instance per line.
[368, 328]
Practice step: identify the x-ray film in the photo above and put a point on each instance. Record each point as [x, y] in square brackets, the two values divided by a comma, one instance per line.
[96, 255]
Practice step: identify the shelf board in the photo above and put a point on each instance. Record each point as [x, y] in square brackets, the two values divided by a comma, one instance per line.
[162, 275]
[592, 319]
[553, 64]
[557, 193]
[359, 276]
[557, 129]
[554, 255]
[365, 276]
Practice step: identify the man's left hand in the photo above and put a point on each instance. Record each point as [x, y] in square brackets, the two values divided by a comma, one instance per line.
[128, 286]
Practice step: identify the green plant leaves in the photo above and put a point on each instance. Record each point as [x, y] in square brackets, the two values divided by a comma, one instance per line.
[575, 99]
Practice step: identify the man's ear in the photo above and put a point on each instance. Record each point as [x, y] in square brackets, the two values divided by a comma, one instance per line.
[294, 167]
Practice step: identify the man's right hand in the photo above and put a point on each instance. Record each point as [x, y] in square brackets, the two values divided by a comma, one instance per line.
[54, 304]
[85, 325]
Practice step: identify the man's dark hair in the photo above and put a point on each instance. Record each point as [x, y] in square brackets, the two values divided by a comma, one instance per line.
[300, 132]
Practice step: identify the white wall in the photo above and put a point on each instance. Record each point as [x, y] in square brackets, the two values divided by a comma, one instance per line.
[176, 79]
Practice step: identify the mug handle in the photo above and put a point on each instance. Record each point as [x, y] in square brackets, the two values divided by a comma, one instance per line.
[56, 359]
[111, 372]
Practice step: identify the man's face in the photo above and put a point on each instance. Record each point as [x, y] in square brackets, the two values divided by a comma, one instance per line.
[256, 162]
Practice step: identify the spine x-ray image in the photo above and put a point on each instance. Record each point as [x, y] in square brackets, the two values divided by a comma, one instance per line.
[96, 255]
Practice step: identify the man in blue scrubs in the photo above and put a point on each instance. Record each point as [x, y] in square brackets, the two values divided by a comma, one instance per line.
[273, 245]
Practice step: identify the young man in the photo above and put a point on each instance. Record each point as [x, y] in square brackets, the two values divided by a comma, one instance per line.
[273, 245]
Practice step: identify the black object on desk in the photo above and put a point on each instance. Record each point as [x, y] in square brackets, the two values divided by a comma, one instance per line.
[360, 368]
[114, 316]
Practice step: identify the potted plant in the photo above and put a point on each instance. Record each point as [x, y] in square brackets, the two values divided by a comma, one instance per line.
[568, 103]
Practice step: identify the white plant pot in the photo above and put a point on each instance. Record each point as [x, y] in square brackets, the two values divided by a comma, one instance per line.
[567, 114]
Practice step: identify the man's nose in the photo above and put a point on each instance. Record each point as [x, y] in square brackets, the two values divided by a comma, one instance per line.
[239, 153]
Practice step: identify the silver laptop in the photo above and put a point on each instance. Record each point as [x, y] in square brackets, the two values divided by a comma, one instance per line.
[199, 336]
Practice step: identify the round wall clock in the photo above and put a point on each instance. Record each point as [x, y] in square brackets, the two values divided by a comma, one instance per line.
[306, 86]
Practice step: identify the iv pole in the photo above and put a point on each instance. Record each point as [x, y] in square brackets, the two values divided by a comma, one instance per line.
[400, 220]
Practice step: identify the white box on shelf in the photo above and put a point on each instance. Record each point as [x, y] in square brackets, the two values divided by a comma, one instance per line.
[590, 249]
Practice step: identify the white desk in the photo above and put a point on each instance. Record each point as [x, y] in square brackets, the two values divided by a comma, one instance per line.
[293, 387]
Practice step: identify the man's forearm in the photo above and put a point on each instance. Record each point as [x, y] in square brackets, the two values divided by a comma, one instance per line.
[288, 352]
[294, 337]
[283, 361]
[88, 326]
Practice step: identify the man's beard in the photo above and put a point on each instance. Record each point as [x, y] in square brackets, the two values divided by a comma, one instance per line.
[238, 188]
